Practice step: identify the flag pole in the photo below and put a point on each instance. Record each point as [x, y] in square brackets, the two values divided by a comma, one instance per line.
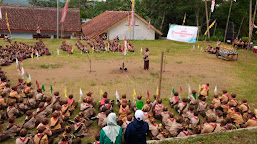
[160, 80]
[231, 2]
[57, 20]
[240, 27]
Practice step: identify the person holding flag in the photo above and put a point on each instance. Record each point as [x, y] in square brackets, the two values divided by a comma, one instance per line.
[146, 59]
[204, 92]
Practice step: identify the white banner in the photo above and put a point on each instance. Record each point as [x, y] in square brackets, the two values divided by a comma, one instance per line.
[182, 33]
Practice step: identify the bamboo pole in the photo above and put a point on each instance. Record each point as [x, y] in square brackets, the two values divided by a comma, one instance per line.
[231, 2]
[160, 80]
[57, 20]
[240, 27]
[207, 19]
[250, 35]
[215, 29]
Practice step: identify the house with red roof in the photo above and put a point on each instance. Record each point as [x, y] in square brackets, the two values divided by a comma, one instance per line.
[24, 21]
[117, 23]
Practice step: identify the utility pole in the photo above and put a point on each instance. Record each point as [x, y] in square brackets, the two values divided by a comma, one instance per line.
[57, 19]
[207, 19]
[231, 2]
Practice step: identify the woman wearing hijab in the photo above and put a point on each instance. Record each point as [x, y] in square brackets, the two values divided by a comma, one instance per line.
[112, 133]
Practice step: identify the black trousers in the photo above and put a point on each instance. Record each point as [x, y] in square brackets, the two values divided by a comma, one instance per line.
[146, 65]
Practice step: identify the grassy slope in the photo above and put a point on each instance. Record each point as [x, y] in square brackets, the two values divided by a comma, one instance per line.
[240, 79]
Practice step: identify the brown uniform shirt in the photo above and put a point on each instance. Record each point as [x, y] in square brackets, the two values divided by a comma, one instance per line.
[79, 128]
[237, 117]
[182, 107]
[55, 123]
[39, 140]
[24, 140]
[204, 90]
[234, 102]
[158, 109]
[251, 123]
[216, 102]
[154, 129]
[174, 101]
[160, 136]
[210, 127]
[183, 134]
[174, 129]
[202, 106]
[12, 130]
[192, 100]
[169, 123]
[29, 122]
[225, 97]
[11, 111]
[65, 110]
[244, 107]
[101, 116]
[194, 121]
[165, 116]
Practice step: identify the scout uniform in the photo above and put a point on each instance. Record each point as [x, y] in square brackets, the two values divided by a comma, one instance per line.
[202, 106]
[224, 97]
[12, 130]
[123, 114]
[154, 129]
[87, 109]
[101, 116]
[169, 122]
[237, 117]
[194, 121]
[40, 138]
[204, 90]
[251, 122]
[165, 116]
[182, 107]
[24, 140]
[11, 111]
[13, 97]
[216, 102]
[29, 122]
[124, 125]
[210, 127]
[174, 101]
[79, 129]
[193, 100]
[65, 111]
[233, 102]
[174, 129]
[183, 134]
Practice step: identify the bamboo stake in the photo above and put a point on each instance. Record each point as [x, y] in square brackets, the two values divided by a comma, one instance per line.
[160, 81]
[240, 27]
[207, 19]
[231, 2]
[251, 32]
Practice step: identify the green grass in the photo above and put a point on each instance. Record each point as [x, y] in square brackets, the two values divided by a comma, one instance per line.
[182, 67]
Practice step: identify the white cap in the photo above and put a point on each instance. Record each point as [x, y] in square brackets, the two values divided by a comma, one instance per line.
[139, 115]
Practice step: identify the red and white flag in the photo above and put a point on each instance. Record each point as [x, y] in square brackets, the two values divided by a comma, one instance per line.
[149, 24]
[124, 50]
[1, 13]
[37, 84]
[64, 11]
[212, 5]
[132, 18]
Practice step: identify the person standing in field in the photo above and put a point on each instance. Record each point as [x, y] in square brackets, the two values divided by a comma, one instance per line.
[146, 59]
[38, 32]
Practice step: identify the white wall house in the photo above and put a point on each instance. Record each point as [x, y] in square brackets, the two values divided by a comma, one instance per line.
[116, 23]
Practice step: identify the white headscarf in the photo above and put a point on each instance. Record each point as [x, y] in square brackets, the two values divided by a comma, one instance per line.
[112, 129]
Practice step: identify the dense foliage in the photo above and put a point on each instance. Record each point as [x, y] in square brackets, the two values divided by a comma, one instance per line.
[165, 12]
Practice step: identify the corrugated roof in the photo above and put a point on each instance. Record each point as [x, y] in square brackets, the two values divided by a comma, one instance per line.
[23, 19]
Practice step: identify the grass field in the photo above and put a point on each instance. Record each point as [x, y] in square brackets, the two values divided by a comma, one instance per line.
[182, 67]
